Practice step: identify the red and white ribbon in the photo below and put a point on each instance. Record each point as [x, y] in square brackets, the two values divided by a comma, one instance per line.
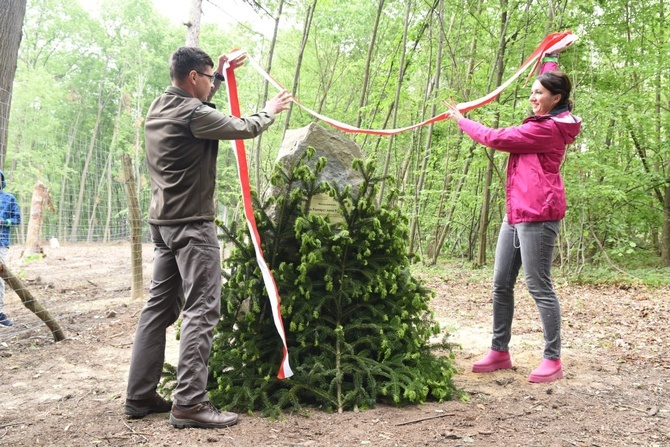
[553, 43]
[243, 173]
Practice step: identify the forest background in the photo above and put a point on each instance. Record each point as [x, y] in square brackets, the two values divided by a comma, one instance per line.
[84, 82]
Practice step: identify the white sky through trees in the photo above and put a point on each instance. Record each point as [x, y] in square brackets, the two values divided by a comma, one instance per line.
[223, 12]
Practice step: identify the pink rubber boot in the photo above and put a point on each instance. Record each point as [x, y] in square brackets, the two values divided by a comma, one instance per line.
[548, 371]
[493, 360]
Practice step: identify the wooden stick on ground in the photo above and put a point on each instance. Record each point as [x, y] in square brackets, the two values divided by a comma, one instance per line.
[31, 303]
[415, 421]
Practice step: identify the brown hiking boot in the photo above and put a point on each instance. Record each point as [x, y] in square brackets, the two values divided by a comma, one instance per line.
[138, 408]
[202, 415]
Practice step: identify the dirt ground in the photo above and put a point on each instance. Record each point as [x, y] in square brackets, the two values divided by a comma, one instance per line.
[615, 352]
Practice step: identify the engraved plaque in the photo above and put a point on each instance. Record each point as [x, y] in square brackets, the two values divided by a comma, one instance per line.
[325, 206]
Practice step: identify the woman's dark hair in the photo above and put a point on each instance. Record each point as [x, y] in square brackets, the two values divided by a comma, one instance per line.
[558, 83]
[185, 59]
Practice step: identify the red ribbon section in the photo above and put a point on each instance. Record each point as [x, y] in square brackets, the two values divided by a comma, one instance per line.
[243, 172]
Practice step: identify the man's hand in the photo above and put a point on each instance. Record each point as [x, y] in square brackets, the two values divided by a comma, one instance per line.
[279, 103]
[235, 63]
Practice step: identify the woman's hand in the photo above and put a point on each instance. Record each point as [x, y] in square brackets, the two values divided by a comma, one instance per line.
[454, 113]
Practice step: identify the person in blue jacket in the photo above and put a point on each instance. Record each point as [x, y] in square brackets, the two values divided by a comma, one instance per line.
[10, 215]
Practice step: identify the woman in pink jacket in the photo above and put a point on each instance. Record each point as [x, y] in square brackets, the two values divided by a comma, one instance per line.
[535, 205]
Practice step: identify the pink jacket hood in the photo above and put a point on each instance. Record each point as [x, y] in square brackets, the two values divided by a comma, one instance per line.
[535, 190]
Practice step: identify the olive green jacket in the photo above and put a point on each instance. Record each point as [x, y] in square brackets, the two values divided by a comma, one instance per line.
[181, 139]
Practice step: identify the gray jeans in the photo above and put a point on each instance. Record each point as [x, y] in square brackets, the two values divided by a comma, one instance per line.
[186, 273]
[529, 244]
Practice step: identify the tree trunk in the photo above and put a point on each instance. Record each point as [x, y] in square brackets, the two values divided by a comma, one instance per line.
[404, 169]
[441, 235]
[268, 68]
[296, 76]
[41, 199]
[665, 235]
[451, 195]
[107, 233]
[396, 101]
[193, 26]
[661, 62]
[486, 201]
[31, 303]
[135, 222]
[102, 102]
[433, 90]
[71, 137]
[327, 75]
[104, 179]
[139, 136]
[92, 218]
[660, 193]
[368, 62]
[419, 163]
[12, 13]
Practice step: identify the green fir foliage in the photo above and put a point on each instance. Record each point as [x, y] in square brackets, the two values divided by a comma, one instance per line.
[357, 322]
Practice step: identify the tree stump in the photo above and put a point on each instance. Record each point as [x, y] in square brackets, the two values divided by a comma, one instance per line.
[41, 199]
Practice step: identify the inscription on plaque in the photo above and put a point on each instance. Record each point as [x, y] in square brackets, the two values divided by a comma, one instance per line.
[325, 206]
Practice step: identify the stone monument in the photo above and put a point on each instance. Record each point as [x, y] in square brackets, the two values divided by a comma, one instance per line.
[339, 152]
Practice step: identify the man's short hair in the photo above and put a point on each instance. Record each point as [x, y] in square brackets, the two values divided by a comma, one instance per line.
[185, 59]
